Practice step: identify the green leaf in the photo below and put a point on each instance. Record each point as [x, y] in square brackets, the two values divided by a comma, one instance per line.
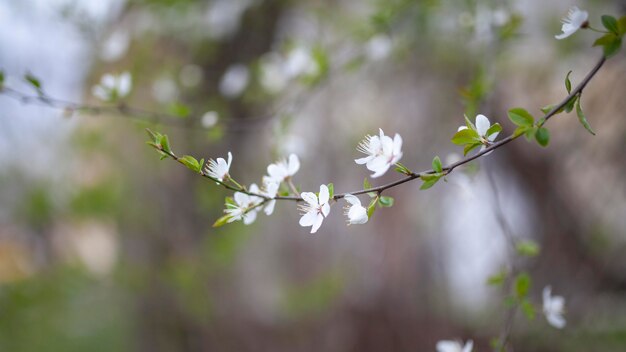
[521, 130]
[385, 201]
[582, 118]
[1, 78]
[469, 123]
[546, 109]
[366, 184]
[497, 279]
[191, 162]
[569, 106]
[529, 309]
[568, 83]
[34, 81]
[610, 23]
[610, 43]
[542, 136]
[530, 133]
[179, 109]
[522, 285]
[222, 221]
[403, 169]
[469, 147]
[621, 25]
[528, 248]
[165, 144]
[331, 190]
[466, 136]
[521, 117]
[372, 207]
[229, 201]
[429, 180]
[493, 129]
[437, 165]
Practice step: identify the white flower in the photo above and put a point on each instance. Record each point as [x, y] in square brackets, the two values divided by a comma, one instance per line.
[454, 346]
[382, 152]
[553, 308]
[283, 169]
[575, 20]
[113, 87]
[378, 47]
[219, 169]
[482, 126]
[209, 119]
[273, 76]
[300, 61]
[234, 81]
[246, 206]
[270, 189]
[315, 209]
[356, 213]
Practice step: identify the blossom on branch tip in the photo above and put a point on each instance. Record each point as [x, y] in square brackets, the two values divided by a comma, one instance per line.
[454, 346]
[553, 308]
[381, 151]
[113, 87]
[356, 213]
[575, 20]
[482, 127]
[315, 209]
[283, 169]
[219, 169]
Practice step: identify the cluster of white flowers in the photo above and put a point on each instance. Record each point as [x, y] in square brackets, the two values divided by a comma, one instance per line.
[113, 87]
[381, 151]
[277, 71]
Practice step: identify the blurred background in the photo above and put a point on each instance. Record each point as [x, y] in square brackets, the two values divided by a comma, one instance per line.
[105, 248]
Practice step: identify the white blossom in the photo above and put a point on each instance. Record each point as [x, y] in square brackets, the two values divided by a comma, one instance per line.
[283, 169]
[270, 189]
[219, 168]
[234, 81]
[553, 308]
[381, 151]
[315, 209]
[454, 346]
[575, 20]
[299, 62]
[482, 126]
[273, 76]
[245, 207]
[356, 213]
[112, 87]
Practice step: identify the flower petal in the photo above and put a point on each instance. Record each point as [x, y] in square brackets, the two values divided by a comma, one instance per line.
[482, 124]
[318, 222]
[324, 195]
[294, 164]
[310, 198]
[352, 199]
[308, 219]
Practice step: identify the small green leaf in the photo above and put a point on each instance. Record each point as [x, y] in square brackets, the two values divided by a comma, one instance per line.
[610, 23]
[222, 221]
[610, 43]
[331, 190]
[165, 144]
[437, 165]
[621, 25]
[493, 129]
[469, 147]
[521, 130]
[582, 118]
[570, 104]
[528, 248]
[497, 279]
[465, 136]
[429, 180]
[530, 133]
[469, 123]
[522, 285]
[366, 184]
[568, 83]
[229, 201]
[372, 207]
[521, 117]
[546, 109]
[385, 201]
[403, 169]
[34, 81]
[529, 309]
[1, 79]
[542, 136]
[191, 163]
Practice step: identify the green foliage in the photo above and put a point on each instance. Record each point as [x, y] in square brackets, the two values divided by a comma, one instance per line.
[522, 285]
[366, 184]
[610, 44]
[542, 135]
[372, 207]
[621, 25]
[437, 165]
[497, 279]
[33, 81]
[1, 79]
[610, 23]
[192, 163]
[179, 110]
[568, 83]
[582, 118]
[494, 128]
[528, 248]
[401, 168]
[385, 201]
[222, 220]
[466, 136]
[528, 308]
[521, 117]
[429, 180]
[331, 190]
